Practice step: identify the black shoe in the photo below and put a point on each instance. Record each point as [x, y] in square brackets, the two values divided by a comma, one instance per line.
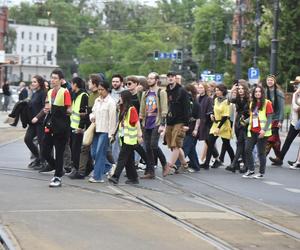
[216, 164]
[132, 182]
[204, 166]
[113, 180]
[47, 168]
[230, 168]
[276, 161]
[72, 173]
[291, 163]
[77, 176]
[40, 166]
[68, 169]
[243, 170]
[34, 163]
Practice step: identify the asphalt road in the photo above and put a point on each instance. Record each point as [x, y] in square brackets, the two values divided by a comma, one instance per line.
[212, 209]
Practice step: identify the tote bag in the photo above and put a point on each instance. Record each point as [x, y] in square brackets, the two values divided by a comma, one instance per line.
[89, 135]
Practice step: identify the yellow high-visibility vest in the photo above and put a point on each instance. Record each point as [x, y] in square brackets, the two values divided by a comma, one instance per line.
[59, 99]
[262, 116]
[75, 117]
[130, 132]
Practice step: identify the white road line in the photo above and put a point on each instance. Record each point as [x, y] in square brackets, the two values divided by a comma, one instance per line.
[273, 183]
[293, 190]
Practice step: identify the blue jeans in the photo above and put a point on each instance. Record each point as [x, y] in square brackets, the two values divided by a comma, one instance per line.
[98, 153]
[189, 149]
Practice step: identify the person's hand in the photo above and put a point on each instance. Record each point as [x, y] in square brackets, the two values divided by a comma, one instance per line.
[195, 132]
[140, 139]
[79, 131]
[212, 117]
[185, 128]
[92, 119]
[217, 131]
[34, 120]
[279, 124]
[161, 129]
[46, 110]
[112, 139]
[261, 133]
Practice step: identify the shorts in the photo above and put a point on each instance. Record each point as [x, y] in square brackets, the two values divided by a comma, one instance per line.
[175, 136]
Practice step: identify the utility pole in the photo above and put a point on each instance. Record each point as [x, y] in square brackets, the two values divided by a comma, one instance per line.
[240, 9]
[212, 47]
[257, 23]
[274, 45]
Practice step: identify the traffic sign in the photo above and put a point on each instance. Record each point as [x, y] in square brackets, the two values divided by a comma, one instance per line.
[253, 75]
[219, 78]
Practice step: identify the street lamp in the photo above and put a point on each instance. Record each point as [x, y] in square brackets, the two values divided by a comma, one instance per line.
[227, 41]
[274, 45]
[241, 8]
[257, 23]
[212, 48]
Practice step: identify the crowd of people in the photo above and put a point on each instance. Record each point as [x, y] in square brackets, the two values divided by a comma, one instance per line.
[130, 116]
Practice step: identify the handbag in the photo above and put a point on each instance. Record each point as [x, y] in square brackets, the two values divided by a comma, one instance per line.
[88, 135]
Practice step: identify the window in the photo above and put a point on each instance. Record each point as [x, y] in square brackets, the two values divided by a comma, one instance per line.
[22, 47]
[30, 35]
[22, 35]
[37, 49]
[45, 48]
[37, 36]
[52, 37]
[29, 48]
[45, 37]
[44, 61]
[36, 60]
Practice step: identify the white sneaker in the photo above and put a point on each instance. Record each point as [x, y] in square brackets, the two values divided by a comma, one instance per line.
[92, 180]
[258, 176]
[249, 174]
[111, 172]
[55, 182]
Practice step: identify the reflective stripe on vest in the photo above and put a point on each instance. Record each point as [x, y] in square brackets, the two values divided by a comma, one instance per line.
[130, 132]
[262, 116]
[59, 99]
[75, 117]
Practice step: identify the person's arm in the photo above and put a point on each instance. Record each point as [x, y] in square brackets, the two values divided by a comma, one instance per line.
[143, 106]
[83, 104]
[281, 107]
[186, 106]
[223, 120]
[112, 113]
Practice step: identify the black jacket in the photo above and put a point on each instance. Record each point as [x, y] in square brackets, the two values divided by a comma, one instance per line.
[22, 110]
[179, 106]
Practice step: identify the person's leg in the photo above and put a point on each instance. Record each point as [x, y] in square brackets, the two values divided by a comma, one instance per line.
[228, 148]
[150, 153]
[60, 142]
[124, 155]
[159, 154]
[84, 159]
[292, 134]
[28, 139]
[76, 148]
[129, 165]
[250, 143]
[194, 161]
[203, 152]
[210, 150]
[100, 159]
[261, 150]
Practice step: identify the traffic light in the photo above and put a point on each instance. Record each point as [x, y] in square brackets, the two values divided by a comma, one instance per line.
[179, 55]
[156, 55]
[49, 55]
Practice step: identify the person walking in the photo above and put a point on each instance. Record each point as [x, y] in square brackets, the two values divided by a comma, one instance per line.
[104, 116]
[177, 122]
[78, 123]
[23, 91]
[6, 93]
[153, 112]
[259, 129]
[240, 97]
[129, 135]
[35, 127]
[276, 96]
[221, 127]
[57, 126]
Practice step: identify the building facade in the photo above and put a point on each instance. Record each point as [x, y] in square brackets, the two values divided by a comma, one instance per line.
[36, 48]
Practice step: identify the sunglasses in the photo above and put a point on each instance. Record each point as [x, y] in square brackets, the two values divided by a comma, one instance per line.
[129, 83]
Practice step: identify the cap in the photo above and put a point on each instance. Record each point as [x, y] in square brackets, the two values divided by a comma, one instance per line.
[297, 80]
[171, 73]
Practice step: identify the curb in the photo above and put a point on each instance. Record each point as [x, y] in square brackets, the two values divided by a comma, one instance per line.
[7, 240]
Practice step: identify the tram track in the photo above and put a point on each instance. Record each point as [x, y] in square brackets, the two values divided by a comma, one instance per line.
[122, 193]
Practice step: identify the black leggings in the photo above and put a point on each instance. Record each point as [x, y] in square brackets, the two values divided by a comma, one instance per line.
[212, 151]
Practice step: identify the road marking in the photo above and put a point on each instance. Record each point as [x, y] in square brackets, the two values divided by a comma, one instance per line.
[273, 183]
[293, 190]
[72, 210]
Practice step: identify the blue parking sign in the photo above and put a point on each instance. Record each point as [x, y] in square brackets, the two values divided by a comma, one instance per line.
[219, 78]
[253, 75]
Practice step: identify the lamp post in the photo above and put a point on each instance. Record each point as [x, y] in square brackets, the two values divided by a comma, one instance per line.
[257, 23]
[227, 42]
[241, 8]
[274, 44]
[212, 48]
